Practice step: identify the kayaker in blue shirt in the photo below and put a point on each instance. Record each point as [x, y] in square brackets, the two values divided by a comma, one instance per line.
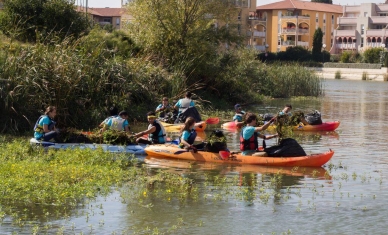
[184, 103]
[249, 134]
[239, 115]
[119, 123]
[188, 135]
[113, 112]
[44, 128]
[163, 108]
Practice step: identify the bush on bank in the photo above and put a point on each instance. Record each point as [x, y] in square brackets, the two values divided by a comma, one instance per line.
[84, 76]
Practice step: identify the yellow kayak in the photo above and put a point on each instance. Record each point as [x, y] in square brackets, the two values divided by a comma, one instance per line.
[177, 127]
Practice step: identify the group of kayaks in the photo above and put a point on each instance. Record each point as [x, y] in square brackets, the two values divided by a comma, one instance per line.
[172, 151]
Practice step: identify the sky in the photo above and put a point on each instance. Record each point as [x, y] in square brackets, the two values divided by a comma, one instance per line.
[117, 3]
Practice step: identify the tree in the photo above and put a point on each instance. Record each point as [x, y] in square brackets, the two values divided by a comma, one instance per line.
[184, 30]
[317, 43]
[27, 20]
[323, 1]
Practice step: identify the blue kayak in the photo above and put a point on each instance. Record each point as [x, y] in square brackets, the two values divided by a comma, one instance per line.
[134, 149]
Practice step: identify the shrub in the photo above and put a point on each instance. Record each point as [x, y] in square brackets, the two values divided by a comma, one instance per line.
[372, 55]
[337, 74]
[364, 76]
[345, 57]
[385, 77]
[334, 58]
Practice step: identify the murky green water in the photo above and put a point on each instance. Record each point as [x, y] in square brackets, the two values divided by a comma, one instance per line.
[349, 198]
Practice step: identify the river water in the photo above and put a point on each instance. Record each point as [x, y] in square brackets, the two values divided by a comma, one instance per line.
[346, 196]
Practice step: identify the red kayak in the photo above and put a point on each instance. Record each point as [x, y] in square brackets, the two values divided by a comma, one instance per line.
[326, 126]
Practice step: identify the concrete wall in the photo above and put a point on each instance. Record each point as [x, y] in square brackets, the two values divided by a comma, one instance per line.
[352, 74]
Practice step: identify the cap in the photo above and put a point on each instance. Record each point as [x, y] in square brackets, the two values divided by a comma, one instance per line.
[237, 106]
[123, 113]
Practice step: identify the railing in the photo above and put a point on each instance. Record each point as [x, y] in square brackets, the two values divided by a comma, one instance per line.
[379, 19]
[375, 33]
[259, 48]
[294, 30]
[346, 20]
[345, 33]
[294, 17]
[375, 44]
[346, 45]
[259, 34]
[352, 8]
[256, 18]
[292, 43]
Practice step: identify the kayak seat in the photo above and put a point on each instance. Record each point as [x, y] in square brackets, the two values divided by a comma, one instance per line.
[260, 154]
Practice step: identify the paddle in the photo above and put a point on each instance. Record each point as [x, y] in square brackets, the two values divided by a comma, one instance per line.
[224, 154]
[213, 120]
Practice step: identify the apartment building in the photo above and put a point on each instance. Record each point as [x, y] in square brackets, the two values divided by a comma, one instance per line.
[279, 25]
[361, 26]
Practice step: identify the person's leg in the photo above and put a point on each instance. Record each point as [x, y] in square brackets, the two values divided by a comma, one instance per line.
[143, 141]
[50, 135]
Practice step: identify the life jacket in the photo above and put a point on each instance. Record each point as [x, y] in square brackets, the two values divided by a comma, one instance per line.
[185, 104]
[117, 124]
[159, 135]
[190, 140]
[39, 128]
[240, 115]
[249, 144]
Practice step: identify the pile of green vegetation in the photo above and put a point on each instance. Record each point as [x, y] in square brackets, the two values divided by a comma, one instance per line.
[71, 135]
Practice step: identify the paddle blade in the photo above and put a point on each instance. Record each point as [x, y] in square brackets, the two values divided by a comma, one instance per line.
[224, 154]
[213, 120]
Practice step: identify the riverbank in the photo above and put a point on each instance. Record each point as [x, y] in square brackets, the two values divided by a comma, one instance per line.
[352, 74]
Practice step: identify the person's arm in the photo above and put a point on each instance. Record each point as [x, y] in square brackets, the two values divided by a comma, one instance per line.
[160, 108]
[149, 131]
[267, 137]
[264, 127]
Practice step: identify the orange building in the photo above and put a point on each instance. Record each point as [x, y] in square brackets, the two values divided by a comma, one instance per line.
[279, 25]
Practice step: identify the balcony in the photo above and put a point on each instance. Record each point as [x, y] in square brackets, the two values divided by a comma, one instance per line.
[375, 44]
[255, 33]
[259, 48]
[346, 46]
[355, 9]
[254, 20]
[290, 43]
[375, 33]
[293, 31]
[345, 33]
[379, 19]
[347, 20]
[296, 17]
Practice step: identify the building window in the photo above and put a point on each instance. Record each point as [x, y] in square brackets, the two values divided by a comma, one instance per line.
[362, 29]
[362, 42]
[324, 18]
[324, 30]
[118, 21]
[332, 19]
[316, 18]
[365, 14]
[107, 20]
[379, 26]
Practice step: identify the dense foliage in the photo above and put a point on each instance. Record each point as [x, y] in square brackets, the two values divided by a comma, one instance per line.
[31, 20]
[164, 53]
[317, 43]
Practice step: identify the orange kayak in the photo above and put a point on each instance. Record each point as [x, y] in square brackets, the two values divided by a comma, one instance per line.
[326, 126]
[177, 127]
[172, 151]
[185, 166]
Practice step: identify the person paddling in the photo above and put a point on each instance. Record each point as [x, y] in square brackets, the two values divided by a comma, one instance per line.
[156, 132]
[44, 128]
[188, 135]
[239, 115]
[119, 123]
[250, 133]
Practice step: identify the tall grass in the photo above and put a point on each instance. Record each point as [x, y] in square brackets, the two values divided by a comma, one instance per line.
[285, 80]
